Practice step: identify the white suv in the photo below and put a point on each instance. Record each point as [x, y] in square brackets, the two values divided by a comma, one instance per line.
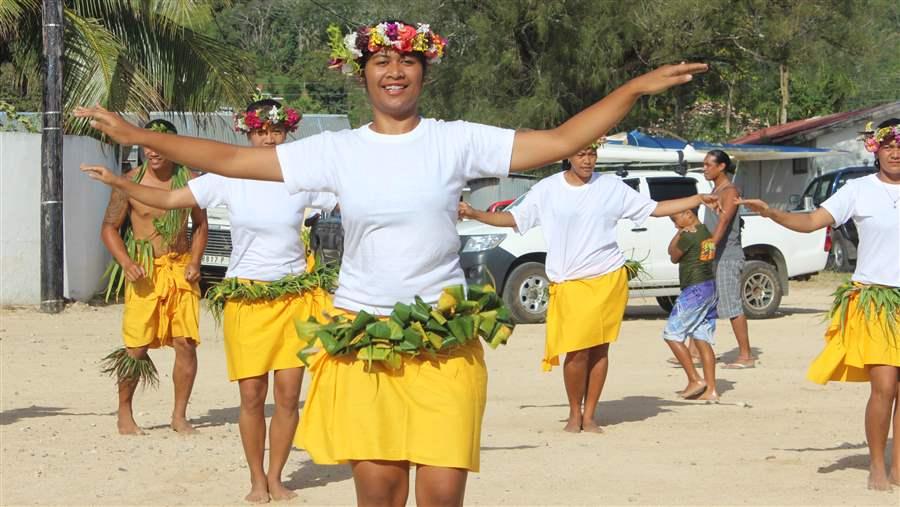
[515, 263]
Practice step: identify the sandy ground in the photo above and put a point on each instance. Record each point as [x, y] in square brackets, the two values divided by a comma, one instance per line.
[775, 439]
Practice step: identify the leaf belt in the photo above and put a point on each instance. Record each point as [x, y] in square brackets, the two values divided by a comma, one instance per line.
[322, 276]
[412, 329]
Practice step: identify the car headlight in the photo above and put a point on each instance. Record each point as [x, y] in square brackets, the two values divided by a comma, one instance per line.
[481, 242]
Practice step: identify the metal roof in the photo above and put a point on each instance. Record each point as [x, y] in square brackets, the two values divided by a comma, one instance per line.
[810, 127]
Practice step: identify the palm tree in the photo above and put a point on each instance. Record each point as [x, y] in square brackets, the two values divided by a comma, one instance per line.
[129, 55]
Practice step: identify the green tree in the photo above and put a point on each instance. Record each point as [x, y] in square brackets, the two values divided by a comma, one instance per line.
[128, 55]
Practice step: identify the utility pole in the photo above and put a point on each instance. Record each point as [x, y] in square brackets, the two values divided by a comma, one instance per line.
[52, 277]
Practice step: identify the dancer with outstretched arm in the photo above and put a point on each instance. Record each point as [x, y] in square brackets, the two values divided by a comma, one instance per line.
[398, 181]
[862, 343]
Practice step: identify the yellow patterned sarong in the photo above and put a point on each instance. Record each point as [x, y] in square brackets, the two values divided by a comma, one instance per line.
[583, 314]
[162, 305]
[860, 343]
[427, 412]
[260, 336]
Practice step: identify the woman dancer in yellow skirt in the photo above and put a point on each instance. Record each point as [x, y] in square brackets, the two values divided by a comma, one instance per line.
[862, 343]
[268, 284]
[398, 180]
[578, 211]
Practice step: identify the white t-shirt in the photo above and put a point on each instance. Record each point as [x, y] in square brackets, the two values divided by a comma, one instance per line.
[870, 203]
[265, 223]
[399, 196]
[579, 223]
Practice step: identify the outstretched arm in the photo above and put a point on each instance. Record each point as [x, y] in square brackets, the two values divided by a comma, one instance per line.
[156, 197]
[497, 219]
[800, 222]
[255, 163]
[536, 148]
[672, 206]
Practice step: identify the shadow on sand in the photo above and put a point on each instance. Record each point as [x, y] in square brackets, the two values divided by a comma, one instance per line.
[16, 414]
[310, 475]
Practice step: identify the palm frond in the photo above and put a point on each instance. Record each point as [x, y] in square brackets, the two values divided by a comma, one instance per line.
[13, 12]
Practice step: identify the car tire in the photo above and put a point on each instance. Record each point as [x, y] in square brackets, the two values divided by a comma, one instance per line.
[666, 303]
[527, 293]
[761, 290]
[839, 256]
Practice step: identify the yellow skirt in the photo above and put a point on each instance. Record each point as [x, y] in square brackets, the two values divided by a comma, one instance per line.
[162, 306]
[583, 314]
[861, 343]
[428, 412]
[260, 335]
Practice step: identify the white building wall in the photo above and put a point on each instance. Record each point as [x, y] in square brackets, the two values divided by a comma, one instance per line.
[772, 180]
[84, 202]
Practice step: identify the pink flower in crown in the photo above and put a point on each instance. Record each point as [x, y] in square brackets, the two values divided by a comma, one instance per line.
[391, 31]
[872, 145]
[292, 118]
[252, 120]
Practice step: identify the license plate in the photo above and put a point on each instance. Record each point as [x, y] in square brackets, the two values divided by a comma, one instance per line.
[215, 260]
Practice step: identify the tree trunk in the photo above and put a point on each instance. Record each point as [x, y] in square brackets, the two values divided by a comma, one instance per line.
[728, 110]
[784, 74]
[51, 161]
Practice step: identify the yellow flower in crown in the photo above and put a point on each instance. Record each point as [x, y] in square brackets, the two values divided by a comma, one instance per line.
[874, 139]
[347, 51]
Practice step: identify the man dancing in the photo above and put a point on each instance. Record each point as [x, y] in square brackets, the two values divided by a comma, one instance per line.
[159, 268]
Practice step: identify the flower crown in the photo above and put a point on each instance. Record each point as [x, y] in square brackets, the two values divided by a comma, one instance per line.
[347, 50]
[263, 117]
[873, 138]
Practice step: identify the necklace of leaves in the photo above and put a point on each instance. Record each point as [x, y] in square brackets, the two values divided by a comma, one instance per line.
[168, 227]
[322, 276]
[874, 300]
[412, 329]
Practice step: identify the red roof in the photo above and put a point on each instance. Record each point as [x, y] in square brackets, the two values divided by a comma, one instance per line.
[780, 133]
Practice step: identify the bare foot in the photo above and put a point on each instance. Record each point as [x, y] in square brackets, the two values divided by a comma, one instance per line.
[182, 427]
[279, 492]
[693, 390]
[879, 481]
[709, 395]
[258, 495]
[895, 478]
[573, 425]
[591, 427]
[127, 426]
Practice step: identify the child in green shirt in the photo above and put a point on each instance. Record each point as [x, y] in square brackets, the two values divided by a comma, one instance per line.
[694, 314]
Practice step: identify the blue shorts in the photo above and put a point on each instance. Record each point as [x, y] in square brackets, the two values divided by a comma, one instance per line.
[694, 314]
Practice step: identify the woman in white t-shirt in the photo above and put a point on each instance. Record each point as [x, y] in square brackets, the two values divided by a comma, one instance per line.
[398, 180]
[863, 339]
[267, 253]
[578, 210]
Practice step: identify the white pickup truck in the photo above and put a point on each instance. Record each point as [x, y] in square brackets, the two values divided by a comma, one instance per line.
[515, 263]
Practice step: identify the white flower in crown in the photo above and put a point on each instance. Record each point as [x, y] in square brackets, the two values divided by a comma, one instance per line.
[423, 28]
[273, 114]
[350, 44]
[381, 28]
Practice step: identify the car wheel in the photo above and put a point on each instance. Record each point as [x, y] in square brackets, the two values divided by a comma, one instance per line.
[760, 290]
[666, 303]
[527, 293]
[839, 255]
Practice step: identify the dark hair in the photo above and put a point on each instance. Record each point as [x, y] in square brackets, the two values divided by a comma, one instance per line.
[890, 122]
[722, 158]
[163, 123]
[566, 165]
[264, 103]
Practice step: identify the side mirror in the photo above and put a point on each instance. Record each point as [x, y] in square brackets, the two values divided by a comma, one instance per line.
[794, 200]
[808, 204]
